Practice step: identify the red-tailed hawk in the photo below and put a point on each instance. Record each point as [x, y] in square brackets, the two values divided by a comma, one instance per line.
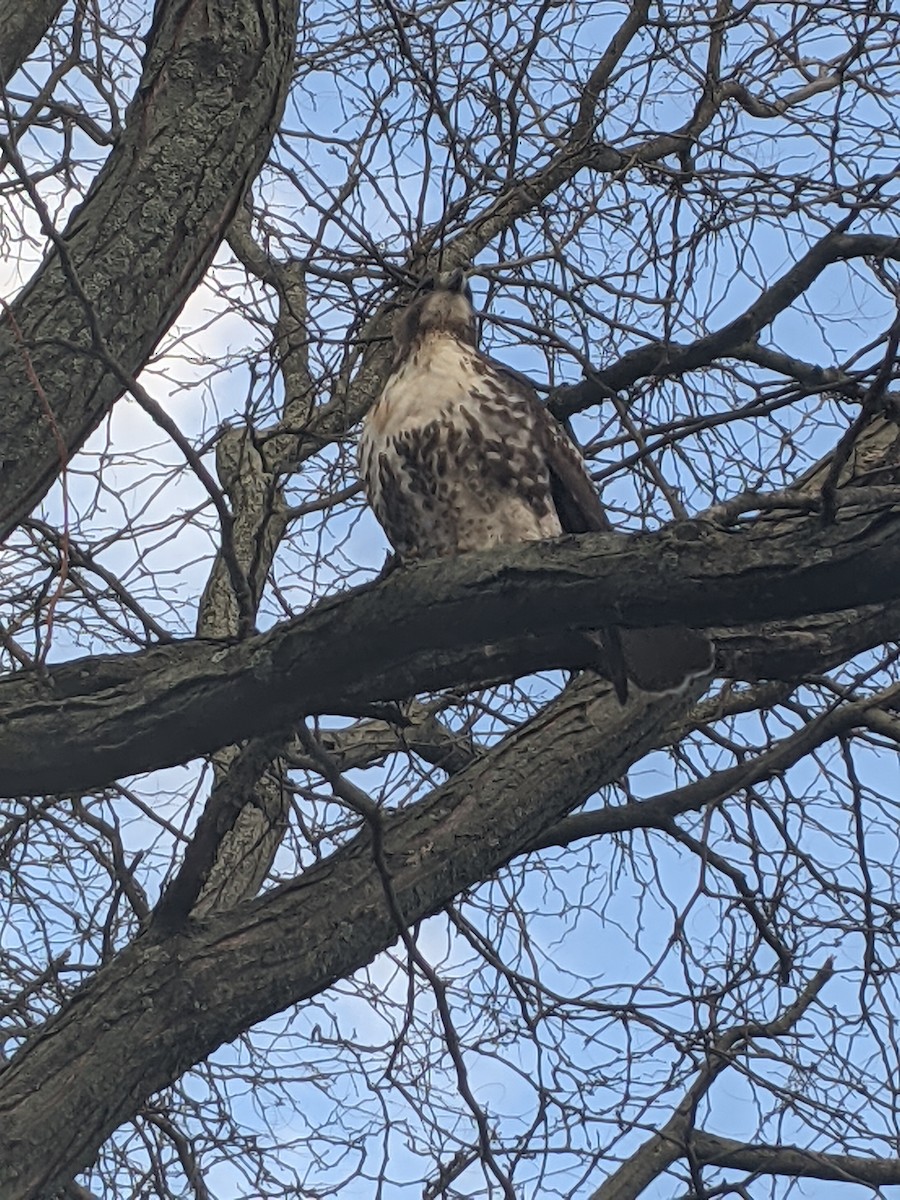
[458, 454]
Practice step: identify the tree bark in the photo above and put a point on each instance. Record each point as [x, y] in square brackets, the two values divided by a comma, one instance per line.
[208, 104]
[22, 26]
[465, 621]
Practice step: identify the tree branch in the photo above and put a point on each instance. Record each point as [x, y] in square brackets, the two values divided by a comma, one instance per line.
[22, 27]
[477, 618]
[711, 1150]
[659, 811]
[672, 359]
[672, 1141]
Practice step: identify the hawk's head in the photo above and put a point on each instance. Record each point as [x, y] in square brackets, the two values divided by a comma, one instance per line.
[446, 307]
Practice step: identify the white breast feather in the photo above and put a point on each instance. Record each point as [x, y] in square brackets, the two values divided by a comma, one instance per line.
[439, 382]
[448, 374]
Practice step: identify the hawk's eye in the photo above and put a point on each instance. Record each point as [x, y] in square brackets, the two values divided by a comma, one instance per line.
[455, 282]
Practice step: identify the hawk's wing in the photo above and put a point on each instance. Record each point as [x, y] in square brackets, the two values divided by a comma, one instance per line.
[574, 494]
[659, 659]
[575, 499]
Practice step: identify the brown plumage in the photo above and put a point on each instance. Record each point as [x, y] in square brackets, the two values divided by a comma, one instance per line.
[459, 454]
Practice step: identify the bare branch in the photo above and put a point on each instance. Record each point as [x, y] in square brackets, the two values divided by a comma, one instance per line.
[297, 939]
[673, 1140]
[659, 811]
[710, 1149]
[662, 359]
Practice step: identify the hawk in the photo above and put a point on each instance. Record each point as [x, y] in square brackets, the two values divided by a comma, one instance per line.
[458, 454]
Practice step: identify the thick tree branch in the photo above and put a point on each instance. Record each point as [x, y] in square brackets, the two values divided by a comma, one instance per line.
[804, 647]
[416, 729]
[711, 1150]
[195, 990]
[235, 789]
[454, 622]
[210, 98]
[22, 26]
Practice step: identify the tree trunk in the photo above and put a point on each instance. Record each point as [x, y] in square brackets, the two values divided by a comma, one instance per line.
[207, 107]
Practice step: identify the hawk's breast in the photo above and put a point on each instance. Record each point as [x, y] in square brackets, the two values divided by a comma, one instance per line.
[450, 456]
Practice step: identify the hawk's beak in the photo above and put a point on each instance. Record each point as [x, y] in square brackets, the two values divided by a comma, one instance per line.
[456, 280]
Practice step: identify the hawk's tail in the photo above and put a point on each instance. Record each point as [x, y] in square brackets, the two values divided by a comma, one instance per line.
[661, 659]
